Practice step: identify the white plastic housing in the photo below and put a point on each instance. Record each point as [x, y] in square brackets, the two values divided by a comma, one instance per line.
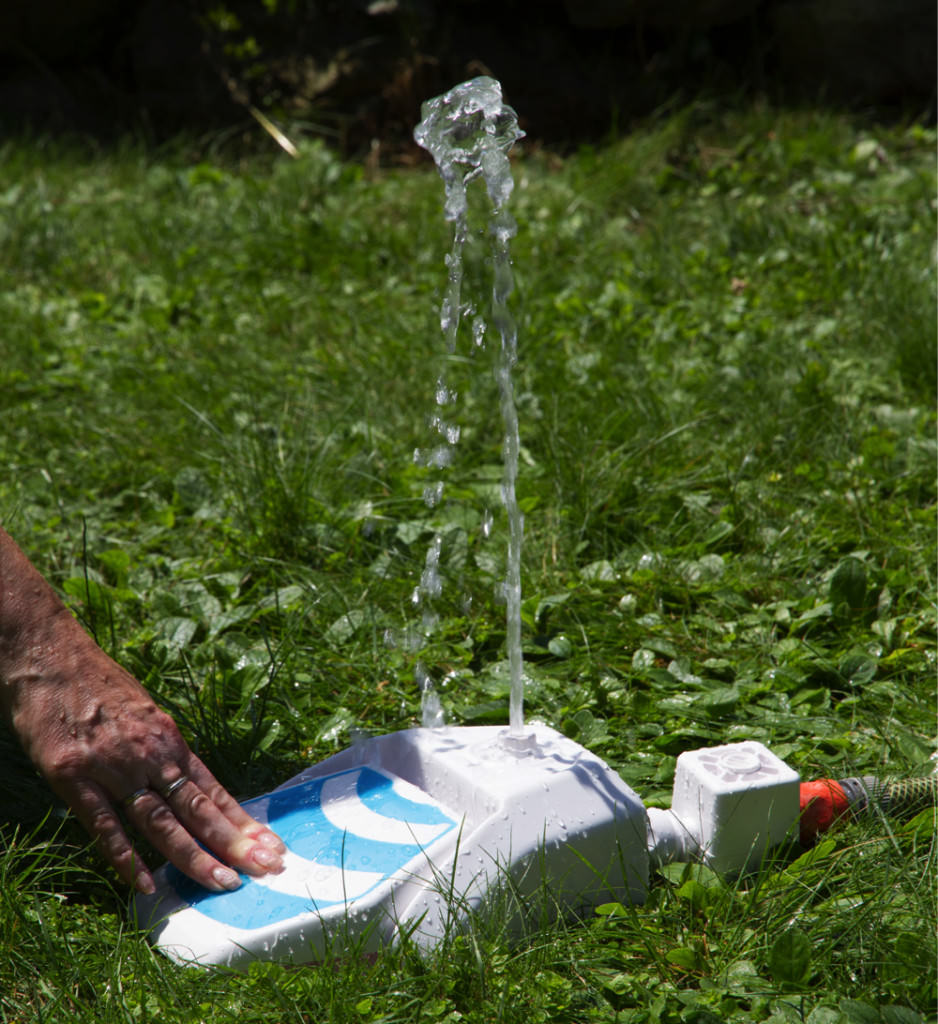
[411, 832]
[733, 802]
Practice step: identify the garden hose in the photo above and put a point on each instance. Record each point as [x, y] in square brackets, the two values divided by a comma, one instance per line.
[827, 800]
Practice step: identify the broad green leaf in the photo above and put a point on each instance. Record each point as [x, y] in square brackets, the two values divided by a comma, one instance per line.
[198, 600]
[230, 617]
[586, 728]
[914, 748]
[695, 894]
[684, 957]
[560, 646]
[718, 701]
[493, 712]
[900, 1015]
[269, 735]
[345, 626]
[858, 668]
[743, 976]
[825, 1015]
[611, 910]
[176, 632]
[790, 957]
[599, 572]
[676, 873]
[548, 603]
[661, 646]
[283, 598]
[336, 726]
[858, 1012]
[642, 659]
[822, 610]
[813, 858]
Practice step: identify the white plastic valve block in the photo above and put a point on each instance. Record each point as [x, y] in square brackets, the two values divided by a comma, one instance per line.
[735, 801]
[411, 832]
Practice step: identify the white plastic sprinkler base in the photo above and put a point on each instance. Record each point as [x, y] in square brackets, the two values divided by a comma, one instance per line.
[412, 832]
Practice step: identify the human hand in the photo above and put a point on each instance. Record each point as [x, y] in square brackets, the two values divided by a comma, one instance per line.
[105, 747]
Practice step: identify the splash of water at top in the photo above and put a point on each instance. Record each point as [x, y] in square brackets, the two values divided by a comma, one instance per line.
[469, 131]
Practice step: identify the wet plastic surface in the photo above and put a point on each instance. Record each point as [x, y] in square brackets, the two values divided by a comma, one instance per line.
[417, 830]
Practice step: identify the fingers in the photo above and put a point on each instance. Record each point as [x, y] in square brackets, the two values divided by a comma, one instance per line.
[98, 816]
[202, 830]
[188, 817]
[156, 821]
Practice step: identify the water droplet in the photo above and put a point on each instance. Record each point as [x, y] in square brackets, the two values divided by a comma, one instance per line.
[432, 494]
[442, 456]
[650, 560]
[487, 520]
[444, 395]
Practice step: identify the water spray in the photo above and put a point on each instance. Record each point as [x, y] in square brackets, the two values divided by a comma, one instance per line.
[469, 131]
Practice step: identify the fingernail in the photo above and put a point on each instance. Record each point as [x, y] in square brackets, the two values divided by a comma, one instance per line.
[266, 858]
[226, 879]
[272, 840]
[145, 885]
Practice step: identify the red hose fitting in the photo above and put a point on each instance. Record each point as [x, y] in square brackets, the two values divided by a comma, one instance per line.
[822, 803]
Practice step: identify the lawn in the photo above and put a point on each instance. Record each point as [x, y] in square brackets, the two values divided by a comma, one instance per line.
[214, 372]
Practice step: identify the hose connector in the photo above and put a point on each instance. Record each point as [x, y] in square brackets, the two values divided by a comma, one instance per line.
[826, 801]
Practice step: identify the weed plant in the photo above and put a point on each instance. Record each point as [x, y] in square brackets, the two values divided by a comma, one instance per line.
[213, 375]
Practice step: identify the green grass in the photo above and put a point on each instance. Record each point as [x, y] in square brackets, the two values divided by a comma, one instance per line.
[212, 377]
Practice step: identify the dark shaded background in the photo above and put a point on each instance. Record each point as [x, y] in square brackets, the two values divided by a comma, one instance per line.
[355, 71]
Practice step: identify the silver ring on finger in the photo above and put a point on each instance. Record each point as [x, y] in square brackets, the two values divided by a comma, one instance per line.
[168, 791]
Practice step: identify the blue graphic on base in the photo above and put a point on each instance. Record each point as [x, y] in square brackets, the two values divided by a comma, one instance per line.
[353, 830]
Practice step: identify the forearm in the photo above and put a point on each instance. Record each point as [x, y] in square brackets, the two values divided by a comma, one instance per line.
[36, 629]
